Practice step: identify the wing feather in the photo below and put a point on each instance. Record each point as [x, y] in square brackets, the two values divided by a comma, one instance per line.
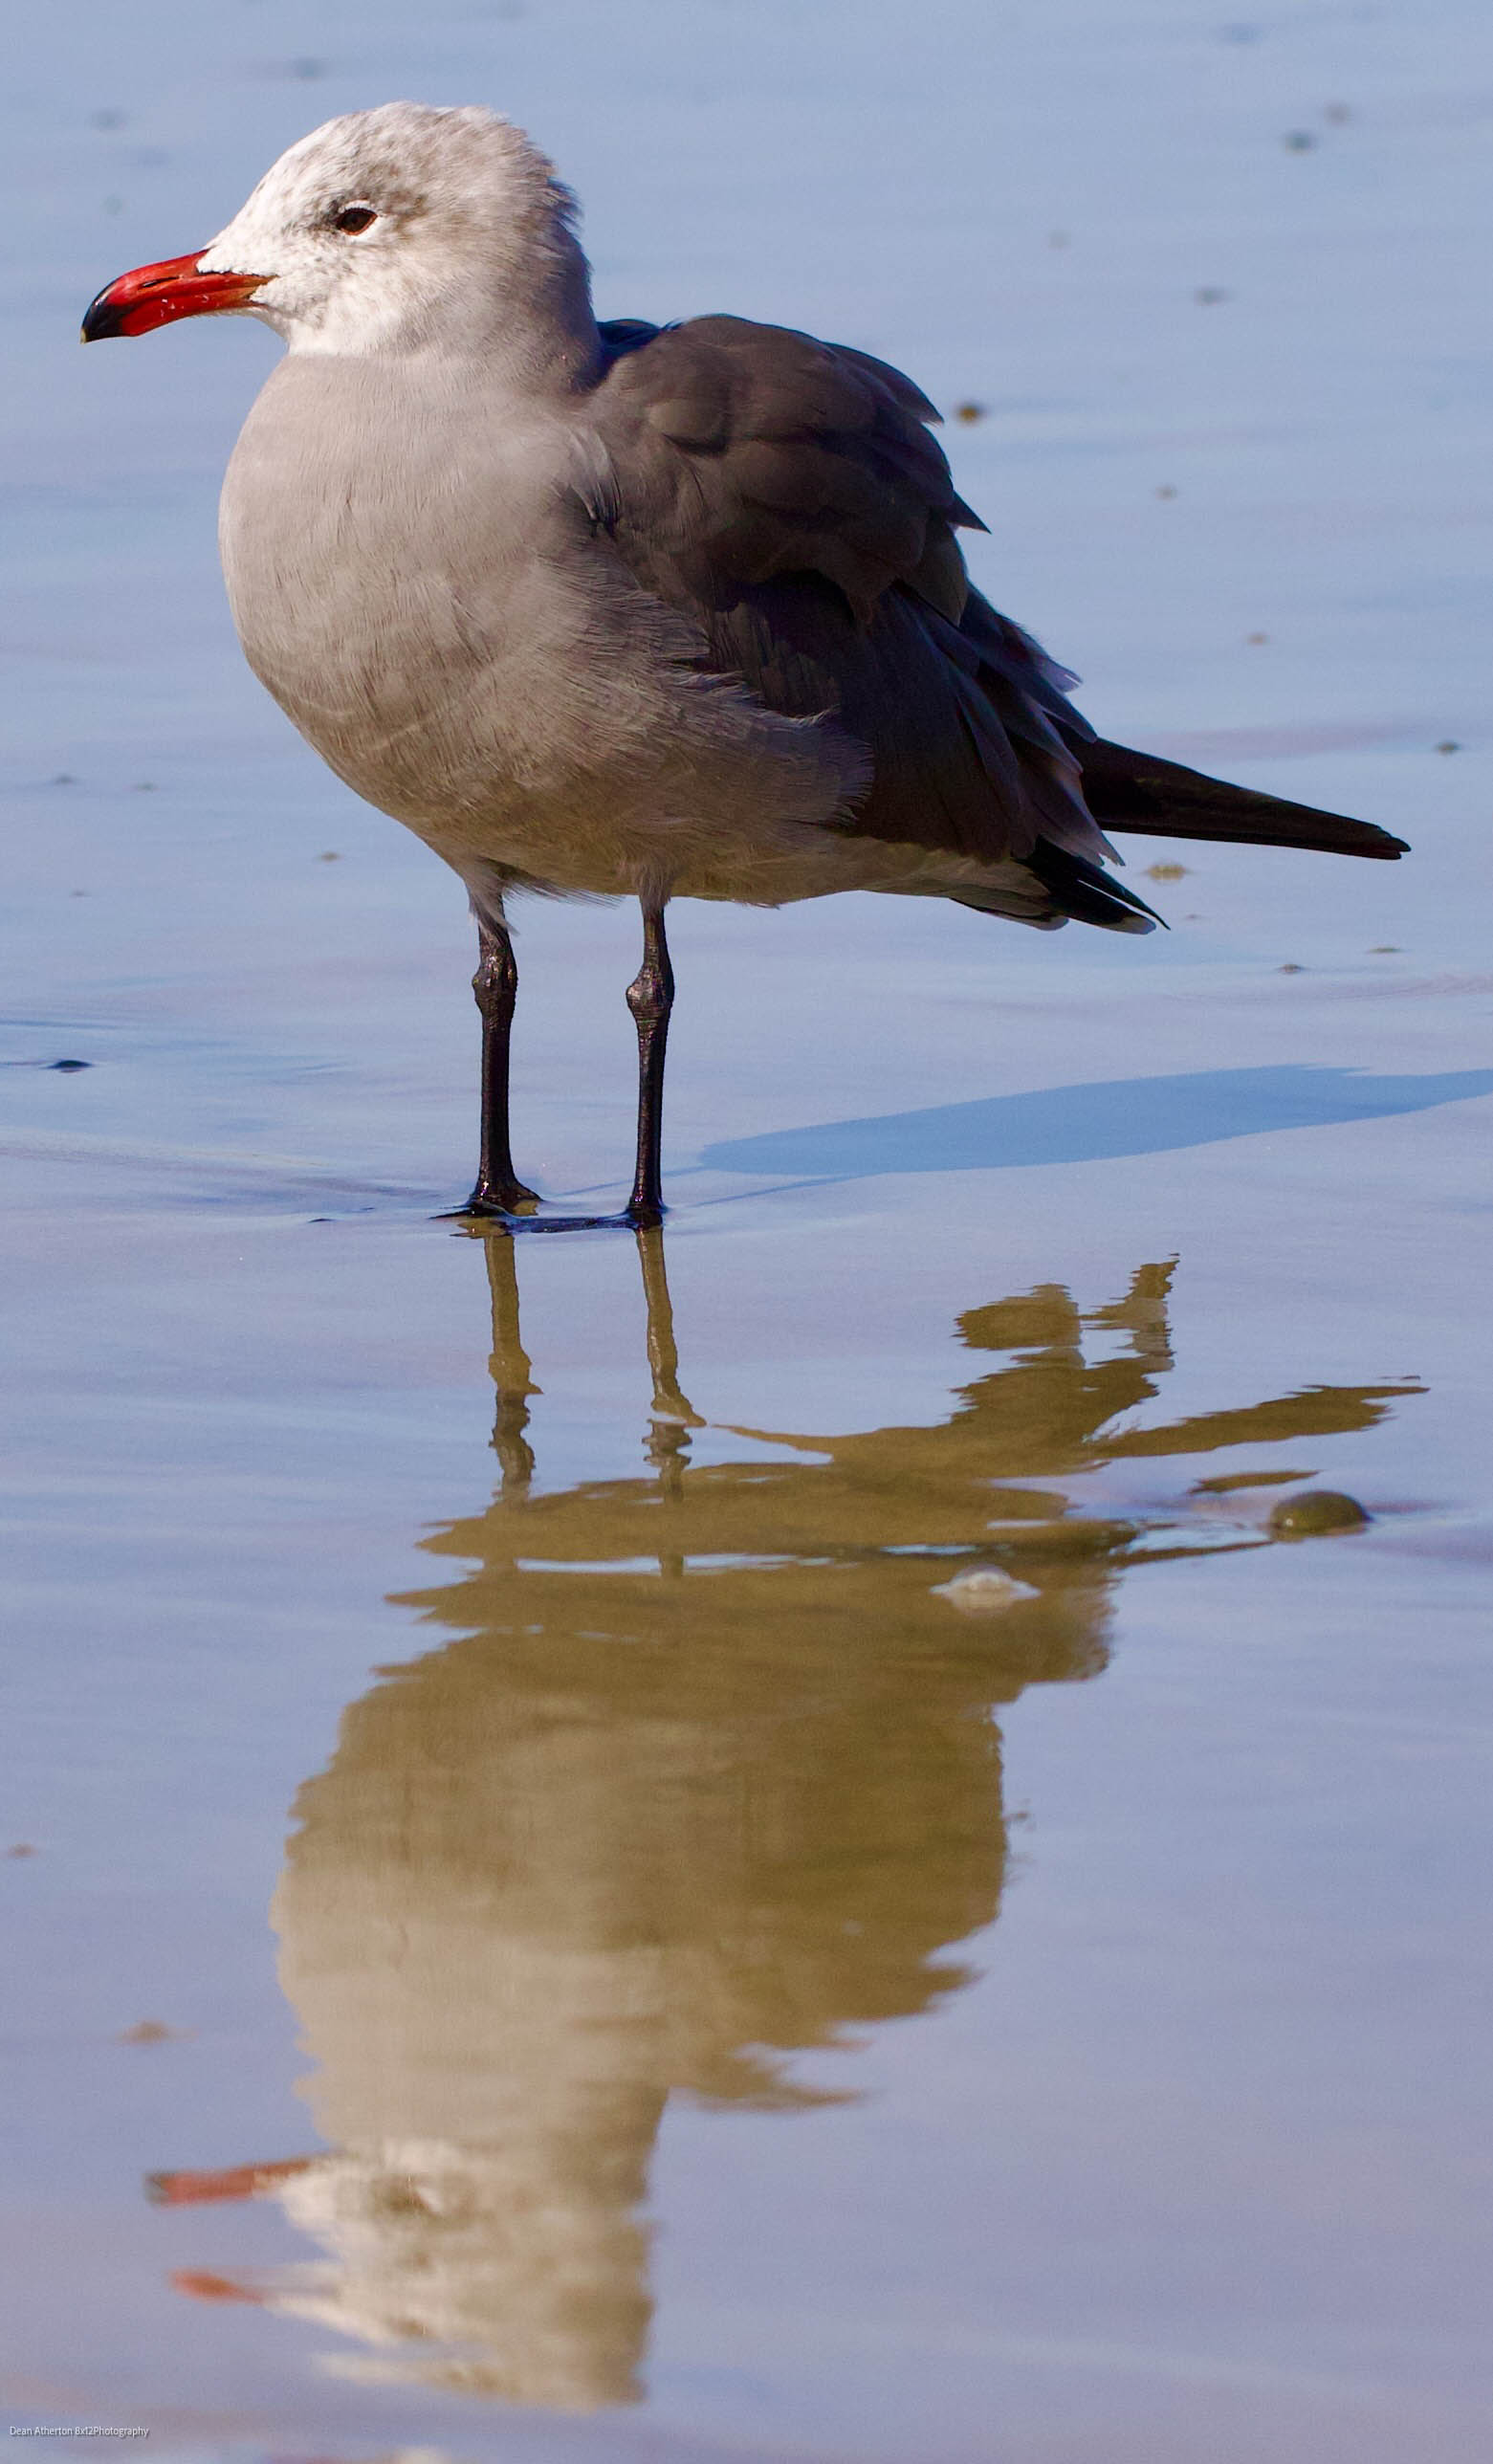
[787, 495]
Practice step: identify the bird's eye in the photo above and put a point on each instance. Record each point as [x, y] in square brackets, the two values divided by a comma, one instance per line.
[353, 219]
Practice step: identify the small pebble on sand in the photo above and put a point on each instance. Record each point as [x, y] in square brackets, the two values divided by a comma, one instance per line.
[982, 1591]
[1316, 1511]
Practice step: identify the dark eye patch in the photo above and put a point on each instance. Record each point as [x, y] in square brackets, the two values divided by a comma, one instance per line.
[353, 219]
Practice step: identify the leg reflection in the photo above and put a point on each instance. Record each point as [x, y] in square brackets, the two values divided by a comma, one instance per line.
[511, 1367]
[671, 1416]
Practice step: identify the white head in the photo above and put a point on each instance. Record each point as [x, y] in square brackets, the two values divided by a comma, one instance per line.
[391, 230]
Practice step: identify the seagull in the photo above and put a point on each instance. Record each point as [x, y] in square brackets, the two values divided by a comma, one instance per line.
[610, 608]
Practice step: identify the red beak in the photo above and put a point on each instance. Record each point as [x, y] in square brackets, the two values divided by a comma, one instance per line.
[157, 294]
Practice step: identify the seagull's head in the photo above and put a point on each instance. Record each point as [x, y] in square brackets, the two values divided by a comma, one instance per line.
[393, 230]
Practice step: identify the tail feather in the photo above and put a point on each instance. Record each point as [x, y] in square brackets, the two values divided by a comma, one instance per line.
[1138, 791]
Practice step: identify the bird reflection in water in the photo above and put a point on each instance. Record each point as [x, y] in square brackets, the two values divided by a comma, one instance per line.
[704, 1777]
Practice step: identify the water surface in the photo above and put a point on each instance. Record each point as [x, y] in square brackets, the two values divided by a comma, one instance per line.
[762, 1842]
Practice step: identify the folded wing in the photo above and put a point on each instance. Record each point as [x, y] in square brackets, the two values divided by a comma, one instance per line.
[787, 495]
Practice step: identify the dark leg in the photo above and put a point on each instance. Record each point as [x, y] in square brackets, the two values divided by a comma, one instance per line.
[499, 1191]
[650, 998]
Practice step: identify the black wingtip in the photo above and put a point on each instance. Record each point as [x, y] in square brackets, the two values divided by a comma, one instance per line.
[1089, 895]
[1125, 790]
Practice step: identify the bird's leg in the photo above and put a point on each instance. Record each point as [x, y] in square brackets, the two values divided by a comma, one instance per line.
[650, 998]
[499, 1191]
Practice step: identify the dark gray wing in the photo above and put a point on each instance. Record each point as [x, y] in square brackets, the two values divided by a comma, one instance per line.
[787, 495]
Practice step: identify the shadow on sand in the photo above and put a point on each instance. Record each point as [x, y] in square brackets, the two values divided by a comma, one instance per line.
[1113, 1116]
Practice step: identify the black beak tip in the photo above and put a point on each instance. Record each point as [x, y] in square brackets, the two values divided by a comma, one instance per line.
[100, 321]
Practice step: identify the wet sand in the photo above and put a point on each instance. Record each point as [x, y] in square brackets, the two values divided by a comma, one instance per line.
[771, 1843]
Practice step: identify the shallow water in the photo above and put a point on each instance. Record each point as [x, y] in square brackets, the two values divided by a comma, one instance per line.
[763, 1842]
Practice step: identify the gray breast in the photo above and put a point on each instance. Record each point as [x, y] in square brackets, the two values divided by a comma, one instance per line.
[375, 576]
[416, 581]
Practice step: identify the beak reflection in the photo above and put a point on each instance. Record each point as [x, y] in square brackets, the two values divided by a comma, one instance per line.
[699, 1773]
